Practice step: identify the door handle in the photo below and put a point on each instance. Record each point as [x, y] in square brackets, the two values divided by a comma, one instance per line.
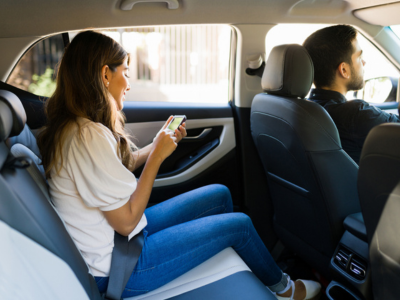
[128, 4]
[202, 135]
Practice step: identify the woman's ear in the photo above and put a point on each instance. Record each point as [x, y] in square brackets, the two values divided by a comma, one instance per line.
[105, 75]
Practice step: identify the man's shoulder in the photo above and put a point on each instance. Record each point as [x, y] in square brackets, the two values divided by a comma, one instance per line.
[357, 104]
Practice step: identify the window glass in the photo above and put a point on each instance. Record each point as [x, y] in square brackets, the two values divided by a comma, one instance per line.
[35, 72]
[379, 74]
[377, 65]
[168, 63]
[177, 63]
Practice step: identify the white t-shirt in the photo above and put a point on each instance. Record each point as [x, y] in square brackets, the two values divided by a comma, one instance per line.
[92, 180]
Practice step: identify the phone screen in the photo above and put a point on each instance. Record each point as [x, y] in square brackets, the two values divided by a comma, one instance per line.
[175, 123]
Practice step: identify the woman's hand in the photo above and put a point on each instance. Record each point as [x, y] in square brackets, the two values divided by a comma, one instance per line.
[180, 132]
[163, 145]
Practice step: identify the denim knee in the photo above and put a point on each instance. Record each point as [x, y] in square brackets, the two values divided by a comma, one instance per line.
[224, 194]
[242, 220]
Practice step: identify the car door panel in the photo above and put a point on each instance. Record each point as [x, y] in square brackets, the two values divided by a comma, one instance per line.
[209, 158]
[210, 149]
[191, 149]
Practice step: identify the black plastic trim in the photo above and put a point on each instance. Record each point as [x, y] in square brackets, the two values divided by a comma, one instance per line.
[66, 40]
[343, 294]
[190, 160]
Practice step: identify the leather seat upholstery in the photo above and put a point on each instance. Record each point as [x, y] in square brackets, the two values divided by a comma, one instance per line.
[379, 189]
[312, 181]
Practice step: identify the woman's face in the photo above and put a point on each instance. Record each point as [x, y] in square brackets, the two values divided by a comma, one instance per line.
[119, 83]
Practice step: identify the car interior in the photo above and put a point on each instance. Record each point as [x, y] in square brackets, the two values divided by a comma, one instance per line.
[238, 72]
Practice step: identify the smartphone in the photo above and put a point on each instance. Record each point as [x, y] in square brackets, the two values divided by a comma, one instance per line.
[176, 122]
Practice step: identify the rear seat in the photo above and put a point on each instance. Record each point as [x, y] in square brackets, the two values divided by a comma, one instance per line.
[40, 259]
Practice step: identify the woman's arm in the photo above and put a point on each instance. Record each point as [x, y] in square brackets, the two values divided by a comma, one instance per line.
[126, 218]
[140, 156]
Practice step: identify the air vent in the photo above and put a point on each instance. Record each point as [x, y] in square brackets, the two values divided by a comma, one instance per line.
[342, 258]
[351, 263]
[358, 267]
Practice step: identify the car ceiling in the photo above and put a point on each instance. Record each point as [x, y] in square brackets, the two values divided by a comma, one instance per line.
[20, 18]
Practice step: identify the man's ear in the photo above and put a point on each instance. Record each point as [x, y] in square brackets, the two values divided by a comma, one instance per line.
[344, 70]
[105, 75]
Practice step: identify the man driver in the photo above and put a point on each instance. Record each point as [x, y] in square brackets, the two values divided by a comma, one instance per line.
[339, 68]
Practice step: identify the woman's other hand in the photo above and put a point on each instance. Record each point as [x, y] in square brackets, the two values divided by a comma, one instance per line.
[180, 133]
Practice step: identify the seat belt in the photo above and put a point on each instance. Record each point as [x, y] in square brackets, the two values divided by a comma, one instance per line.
[124, 258]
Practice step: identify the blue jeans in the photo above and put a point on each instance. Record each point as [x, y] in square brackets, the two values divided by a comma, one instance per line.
[187, 230]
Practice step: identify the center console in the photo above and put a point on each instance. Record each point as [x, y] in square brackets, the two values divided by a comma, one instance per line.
[349, 265]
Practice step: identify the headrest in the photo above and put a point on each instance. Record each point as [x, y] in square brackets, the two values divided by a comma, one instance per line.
[18, 114]
[289, 71]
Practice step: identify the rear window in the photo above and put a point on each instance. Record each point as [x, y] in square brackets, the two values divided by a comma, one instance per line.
[35, 72]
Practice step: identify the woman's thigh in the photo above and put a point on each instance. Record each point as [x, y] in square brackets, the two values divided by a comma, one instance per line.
[205, 201]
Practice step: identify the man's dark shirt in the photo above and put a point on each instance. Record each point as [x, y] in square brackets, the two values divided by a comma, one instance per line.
[353, 119]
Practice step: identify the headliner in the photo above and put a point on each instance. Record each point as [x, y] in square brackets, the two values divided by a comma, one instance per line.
[20, 18]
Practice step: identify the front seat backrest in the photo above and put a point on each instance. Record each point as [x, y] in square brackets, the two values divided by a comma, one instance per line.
[312, 181]
[379, 190]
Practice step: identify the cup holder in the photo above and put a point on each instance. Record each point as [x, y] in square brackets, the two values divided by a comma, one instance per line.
[336, 291]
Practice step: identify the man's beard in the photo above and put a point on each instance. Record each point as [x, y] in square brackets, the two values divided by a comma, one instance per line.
[357, 82]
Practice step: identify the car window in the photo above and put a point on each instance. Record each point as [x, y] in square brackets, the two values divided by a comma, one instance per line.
[177, 63]
[35, 71]
[168, 63]
[380, 75]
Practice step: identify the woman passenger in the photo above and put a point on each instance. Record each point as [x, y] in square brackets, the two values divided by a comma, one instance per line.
[89, 159]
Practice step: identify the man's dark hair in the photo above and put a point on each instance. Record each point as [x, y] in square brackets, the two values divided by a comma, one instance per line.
[328, 48]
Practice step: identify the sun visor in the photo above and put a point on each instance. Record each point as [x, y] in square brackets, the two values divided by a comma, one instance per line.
[384, 15]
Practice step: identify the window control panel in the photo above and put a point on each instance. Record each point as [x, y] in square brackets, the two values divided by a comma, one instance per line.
[350, 262]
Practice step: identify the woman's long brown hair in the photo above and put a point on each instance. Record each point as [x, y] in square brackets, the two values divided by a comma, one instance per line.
[81, 92]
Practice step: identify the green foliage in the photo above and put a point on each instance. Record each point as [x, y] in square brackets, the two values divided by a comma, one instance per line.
[43, 85]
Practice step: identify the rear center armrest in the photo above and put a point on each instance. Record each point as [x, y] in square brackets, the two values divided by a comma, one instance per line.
[354, 223]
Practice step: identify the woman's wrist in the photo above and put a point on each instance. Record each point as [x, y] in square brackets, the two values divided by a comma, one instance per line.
[155, 158]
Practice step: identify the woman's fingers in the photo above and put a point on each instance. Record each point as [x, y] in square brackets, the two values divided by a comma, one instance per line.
[182, 129]
[178, 135]
[166, 123]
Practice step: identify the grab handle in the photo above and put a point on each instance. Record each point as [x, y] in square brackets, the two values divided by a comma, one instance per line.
[128, 4]
[202, 135]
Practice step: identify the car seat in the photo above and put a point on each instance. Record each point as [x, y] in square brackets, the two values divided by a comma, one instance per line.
[379, 189]
[311, 179]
